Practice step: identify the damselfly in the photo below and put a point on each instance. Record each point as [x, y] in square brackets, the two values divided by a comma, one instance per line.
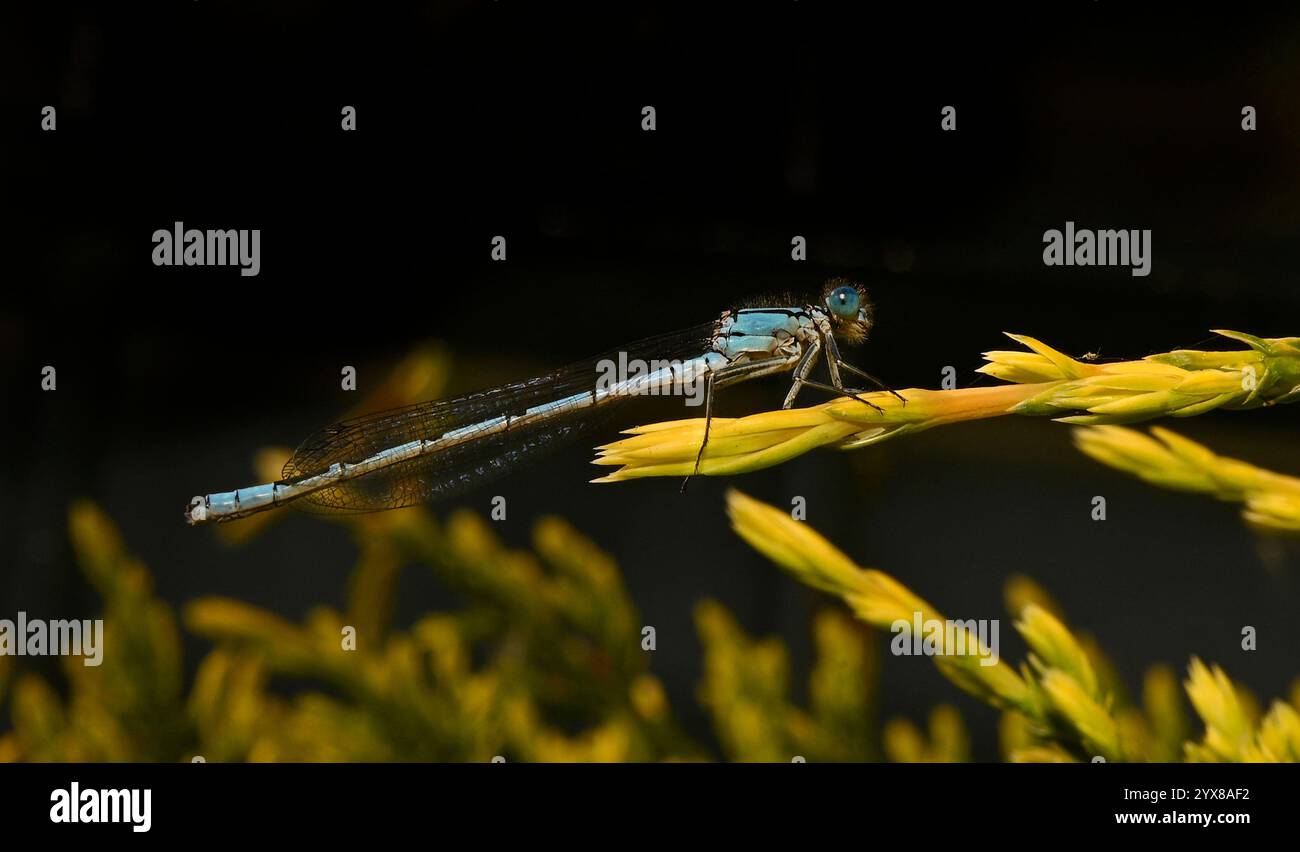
[433, 449]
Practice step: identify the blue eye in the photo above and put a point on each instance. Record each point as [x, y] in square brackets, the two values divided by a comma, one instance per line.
[844, 302]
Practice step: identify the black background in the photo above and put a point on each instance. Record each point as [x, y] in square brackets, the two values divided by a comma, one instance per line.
[478, 119]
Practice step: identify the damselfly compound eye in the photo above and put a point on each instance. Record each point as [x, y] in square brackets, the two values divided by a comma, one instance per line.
[844, 302]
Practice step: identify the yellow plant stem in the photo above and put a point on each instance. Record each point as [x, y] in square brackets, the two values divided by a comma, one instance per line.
[1047, 383]
[761, 440]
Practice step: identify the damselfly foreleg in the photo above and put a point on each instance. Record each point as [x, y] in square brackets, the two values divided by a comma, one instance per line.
[844, 365]
[833, 365]
[843, 391]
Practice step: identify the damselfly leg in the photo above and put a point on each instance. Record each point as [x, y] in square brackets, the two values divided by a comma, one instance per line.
[728, 375]
[833, 365]
[843, 391]
[801, 372]
[844, 365]
[708, 421]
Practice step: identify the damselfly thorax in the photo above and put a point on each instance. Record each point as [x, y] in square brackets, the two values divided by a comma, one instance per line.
[432, 449]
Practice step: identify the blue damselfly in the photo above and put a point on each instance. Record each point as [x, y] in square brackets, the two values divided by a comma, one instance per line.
[433, 449]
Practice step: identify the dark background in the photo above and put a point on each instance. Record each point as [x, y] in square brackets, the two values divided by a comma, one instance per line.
[478, 119]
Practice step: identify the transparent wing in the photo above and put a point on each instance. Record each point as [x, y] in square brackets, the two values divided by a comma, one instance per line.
[485, 453]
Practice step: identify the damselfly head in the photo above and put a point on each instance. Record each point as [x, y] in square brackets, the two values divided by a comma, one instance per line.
[849, 309]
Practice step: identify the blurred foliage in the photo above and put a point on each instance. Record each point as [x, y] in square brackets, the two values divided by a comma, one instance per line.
[746, 686]
[1065, 703]
[547, 661]
[1166, 459]
[131, 706]
[544, 663]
